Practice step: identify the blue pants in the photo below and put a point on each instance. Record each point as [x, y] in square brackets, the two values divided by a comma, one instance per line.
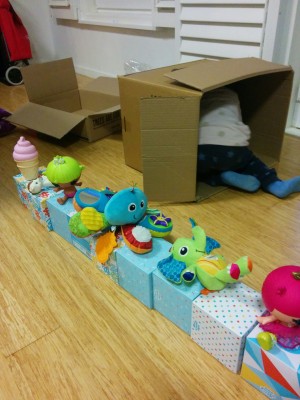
[215, 159]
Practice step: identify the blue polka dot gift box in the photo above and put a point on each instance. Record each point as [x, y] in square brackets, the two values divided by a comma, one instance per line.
[222, 320]
[175, 301]
[60, 215]
[135, 270]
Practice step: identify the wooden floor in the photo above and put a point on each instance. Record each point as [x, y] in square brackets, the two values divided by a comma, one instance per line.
[68, 332]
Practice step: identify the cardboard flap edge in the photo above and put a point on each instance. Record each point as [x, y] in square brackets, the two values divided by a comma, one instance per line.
[52, 122]
[224, 72]
[109, 110]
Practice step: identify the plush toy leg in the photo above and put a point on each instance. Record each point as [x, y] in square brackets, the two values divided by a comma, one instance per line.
[62, 200]
[210, 282]
[266, 340]
[234, 271]
[205, 291]
[189, 274]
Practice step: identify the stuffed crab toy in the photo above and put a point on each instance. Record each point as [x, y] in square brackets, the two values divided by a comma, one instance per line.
[281, 296]
[191, 259]
[126, 209]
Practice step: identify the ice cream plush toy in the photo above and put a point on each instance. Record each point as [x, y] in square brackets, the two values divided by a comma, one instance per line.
[26, 156]
[192, 258]
[281, 296]
[64, 172]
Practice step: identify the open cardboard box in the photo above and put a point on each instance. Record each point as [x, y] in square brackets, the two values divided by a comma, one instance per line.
[57, 106]
[160, 111]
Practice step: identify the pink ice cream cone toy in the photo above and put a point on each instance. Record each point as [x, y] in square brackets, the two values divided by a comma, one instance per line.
[26, 157]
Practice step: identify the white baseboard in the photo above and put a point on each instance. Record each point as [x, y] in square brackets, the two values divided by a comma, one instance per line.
[293, 131]
[92, 73]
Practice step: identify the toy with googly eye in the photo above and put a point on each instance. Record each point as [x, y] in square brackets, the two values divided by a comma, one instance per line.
[191, 259]
[127, 210]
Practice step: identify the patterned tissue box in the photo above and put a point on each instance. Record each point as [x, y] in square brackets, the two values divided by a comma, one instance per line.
[276, 372]
[175, 301]
[222, 320]
[36, 203]
[60, 215]
[135, 270]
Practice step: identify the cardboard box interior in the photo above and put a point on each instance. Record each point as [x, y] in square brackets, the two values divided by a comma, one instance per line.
[57, 106]
[161, 109]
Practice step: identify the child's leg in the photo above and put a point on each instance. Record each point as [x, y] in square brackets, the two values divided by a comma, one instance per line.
[245, 182]
[269, 179]
[283, 189]
[217, 166]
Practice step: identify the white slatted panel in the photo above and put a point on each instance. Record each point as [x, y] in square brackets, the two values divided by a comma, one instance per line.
[220, 29]
[121, 4]
[223, 2]
[130, 14]
[251, 34]
[64, 9]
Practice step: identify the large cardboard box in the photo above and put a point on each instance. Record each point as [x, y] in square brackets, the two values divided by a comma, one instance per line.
[57, 106]
[160, 111]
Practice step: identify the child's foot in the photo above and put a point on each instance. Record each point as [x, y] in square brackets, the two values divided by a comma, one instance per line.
[245, 182]
[283, 189]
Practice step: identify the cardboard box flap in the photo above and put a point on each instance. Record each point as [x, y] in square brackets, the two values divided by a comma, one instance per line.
[48, 79]
[104, 85]
[46, 120]
[206, 77]
[109, 110]
[169, 150]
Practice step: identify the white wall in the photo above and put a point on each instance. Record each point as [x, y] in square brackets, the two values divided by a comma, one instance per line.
[35, 15]
[101, 50]
[95, 50]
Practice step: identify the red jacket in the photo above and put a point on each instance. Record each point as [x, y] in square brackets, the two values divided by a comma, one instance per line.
[14, 32]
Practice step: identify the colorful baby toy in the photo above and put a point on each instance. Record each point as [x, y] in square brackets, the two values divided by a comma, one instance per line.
[190, 259]
[281, 296]
[64, 172]
[127, 210]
